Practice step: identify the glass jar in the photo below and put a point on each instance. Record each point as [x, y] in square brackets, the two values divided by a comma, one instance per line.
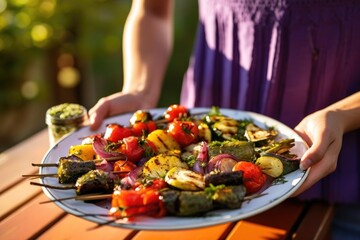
[63, 119]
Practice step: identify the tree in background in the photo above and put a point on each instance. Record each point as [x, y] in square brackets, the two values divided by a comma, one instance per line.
[54, 51]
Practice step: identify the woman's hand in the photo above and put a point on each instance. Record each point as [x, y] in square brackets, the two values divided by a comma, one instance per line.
[118, 103]
[323, 132]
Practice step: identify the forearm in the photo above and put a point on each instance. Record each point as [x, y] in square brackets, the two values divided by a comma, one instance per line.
[348, 110]
[147, 47]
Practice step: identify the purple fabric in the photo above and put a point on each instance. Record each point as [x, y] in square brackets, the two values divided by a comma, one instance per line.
[284, 59]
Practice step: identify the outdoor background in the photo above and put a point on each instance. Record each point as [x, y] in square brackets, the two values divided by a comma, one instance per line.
[56, 51]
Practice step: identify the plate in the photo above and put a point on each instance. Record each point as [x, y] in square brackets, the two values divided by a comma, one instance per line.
[273, 195]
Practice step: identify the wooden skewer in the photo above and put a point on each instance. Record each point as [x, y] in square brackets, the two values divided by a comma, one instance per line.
[55, 175]
[40, 175]
[45, 164]
[110, 159]
[88, 197]
[51, 186]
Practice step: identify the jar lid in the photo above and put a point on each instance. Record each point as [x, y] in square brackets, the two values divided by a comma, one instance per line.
[66, 114]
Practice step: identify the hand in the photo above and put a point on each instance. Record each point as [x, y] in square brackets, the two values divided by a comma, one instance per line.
[323, 132]
[115, 104]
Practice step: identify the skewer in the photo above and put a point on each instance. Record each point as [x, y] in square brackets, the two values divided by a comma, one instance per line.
[40, 175]
[55, 175]
[45, 164]
[51, 186]
[88, 197]
[110, 159]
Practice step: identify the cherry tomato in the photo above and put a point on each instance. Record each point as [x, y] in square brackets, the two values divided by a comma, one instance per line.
[143, 128]
[115, 132]
[176, 111]
[184, 132]
[123, 166]
[132, 149]
[253, 178]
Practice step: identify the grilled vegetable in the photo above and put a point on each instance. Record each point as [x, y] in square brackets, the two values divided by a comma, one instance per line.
[186, 203]
[94, 181]
[69, 170]
[230, 197]
[253, 177]
[204, 132]
[227, 179]
[258, 135]
[184, 179]
[276, 165]
[140, 116]
[184, 132]
[222, 163]
[225, 127]
[163, 141]
[83, 151]
[158, 166]
[241, 150]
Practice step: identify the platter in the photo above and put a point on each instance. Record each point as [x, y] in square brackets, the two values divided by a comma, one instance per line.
[273, 195]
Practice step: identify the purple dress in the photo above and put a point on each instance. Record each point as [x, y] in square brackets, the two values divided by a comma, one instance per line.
[285, 59]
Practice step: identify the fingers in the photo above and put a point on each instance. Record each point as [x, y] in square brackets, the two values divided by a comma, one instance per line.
[322, 168]
[98, 113]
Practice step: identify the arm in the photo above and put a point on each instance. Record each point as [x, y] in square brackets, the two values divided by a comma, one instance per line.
[323, 131]
[147, 45]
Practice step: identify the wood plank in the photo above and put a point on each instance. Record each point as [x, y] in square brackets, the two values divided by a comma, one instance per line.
[17, 160]
[274, 223]
[208, 233]
[72, 227]
[317, 222]
[32, 218]
[17, 196]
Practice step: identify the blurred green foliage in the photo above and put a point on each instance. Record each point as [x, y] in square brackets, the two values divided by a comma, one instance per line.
[36, 34]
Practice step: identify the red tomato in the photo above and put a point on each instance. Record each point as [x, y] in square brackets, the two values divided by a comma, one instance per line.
[143, 200]
[115, 132]
[132, 149]
[176, 111]
[123, 166]
[184, 132]
[253, 178]
[143, 128]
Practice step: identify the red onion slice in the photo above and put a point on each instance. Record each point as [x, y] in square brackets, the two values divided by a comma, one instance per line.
[99, 145]
[222, 163]
[201, 162]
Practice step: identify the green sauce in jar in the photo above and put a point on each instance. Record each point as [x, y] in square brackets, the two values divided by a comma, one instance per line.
[63, 119]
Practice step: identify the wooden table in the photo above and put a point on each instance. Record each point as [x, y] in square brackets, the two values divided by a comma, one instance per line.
[22, 217]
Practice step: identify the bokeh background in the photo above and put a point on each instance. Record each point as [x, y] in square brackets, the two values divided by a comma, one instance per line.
[56, 51]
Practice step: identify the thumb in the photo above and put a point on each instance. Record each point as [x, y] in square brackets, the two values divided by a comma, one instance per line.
[314, 154]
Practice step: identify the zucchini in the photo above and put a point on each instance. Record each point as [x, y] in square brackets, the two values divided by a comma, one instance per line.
[276, 165]
[225, 127]
[184, 179]
[159, 165]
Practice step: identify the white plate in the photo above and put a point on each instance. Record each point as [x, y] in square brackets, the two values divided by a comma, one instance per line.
[274, 194]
